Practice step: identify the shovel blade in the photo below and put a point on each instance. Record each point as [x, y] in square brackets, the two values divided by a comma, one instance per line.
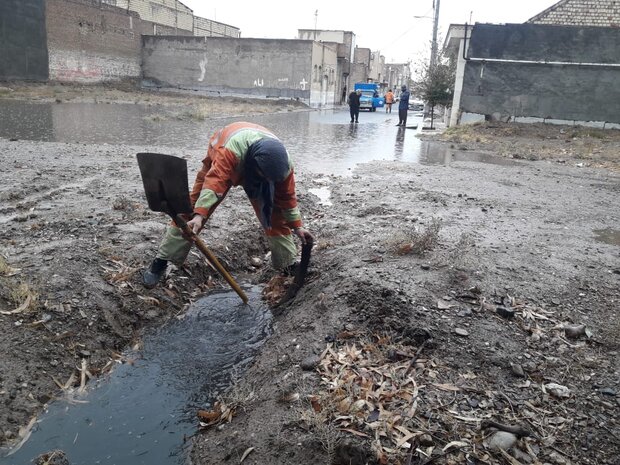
[165, 183]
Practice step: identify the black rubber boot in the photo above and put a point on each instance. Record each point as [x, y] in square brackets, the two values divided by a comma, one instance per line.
[151, 277]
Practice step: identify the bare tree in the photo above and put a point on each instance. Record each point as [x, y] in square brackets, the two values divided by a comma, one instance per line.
[435, 83]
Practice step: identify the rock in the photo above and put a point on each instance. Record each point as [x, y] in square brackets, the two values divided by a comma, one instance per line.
[256, 262]
[55, 457]
[461, 332]
[574, 331]
[504, 312]
[557, 390]
[465, 312]
[310, 363]
[608, 392]
[517, 370]
[501, 440]
[425, 267]
[558, 459]
[426, 440]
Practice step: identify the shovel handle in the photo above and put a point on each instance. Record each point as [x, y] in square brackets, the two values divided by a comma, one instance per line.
[212, 258]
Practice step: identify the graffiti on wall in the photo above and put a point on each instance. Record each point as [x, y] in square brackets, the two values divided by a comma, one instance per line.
[259, 82]
[203, 68]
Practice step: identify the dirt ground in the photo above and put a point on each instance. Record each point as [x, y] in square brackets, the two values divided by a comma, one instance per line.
[446, 303]
[576, 145]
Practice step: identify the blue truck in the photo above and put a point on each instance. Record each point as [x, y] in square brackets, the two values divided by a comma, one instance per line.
[370, 99]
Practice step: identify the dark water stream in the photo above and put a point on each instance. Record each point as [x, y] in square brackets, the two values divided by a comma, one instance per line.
[141, 413]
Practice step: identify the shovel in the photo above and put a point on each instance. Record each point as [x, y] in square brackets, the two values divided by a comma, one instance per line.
[165, 185]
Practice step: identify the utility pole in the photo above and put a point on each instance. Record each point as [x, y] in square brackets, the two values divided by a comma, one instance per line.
[435, 26]
[316, 17]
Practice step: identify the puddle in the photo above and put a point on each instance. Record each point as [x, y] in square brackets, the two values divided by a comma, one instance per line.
[142, 412]
[441, 154]
[607, 236]
[323, 193]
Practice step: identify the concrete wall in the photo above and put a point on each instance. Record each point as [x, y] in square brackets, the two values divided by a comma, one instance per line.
[23, 42]
[565, 92]
[256, 67]
[91, 42]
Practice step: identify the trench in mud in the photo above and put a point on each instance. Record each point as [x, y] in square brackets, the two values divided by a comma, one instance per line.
[144, 411]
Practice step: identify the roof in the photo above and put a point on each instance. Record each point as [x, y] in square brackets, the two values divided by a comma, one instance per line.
[602, 13]
[456, 32]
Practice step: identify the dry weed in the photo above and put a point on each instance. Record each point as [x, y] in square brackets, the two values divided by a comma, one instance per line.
[318, 421]
[415, 242]
[239, 396]
[198, 113]
[5, 269]
[25, 297]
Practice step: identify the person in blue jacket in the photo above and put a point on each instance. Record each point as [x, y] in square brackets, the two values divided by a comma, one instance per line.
[403, 106]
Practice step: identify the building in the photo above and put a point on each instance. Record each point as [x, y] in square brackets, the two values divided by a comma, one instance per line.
[169, 17]
[209, 28]
[376, 71]
[344, 42]
[598, 13]
[396, 75]
[536, 73]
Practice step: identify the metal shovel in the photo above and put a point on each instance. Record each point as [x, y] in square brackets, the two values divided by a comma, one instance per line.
[165, 185]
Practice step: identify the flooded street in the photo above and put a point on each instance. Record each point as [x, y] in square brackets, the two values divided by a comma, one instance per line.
[144, 411]
[320, 142]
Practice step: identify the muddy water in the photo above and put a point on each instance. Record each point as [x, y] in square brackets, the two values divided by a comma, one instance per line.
[320, 142]
[607, 236]
[144, 410]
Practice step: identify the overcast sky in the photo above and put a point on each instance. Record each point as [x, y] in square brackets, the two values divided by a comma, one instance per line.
[393, 30]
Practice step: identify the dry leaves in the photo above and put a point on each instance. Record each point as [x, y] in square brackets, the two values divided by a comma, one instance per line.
[221, 413]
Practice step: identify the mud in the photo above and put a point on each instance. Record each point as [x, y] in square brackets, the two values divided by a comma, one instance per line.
[75, 230]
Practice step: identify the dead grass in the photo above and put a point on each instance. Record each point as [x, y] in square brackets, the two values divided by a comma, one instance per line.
[318, 422]
[5, 268]
[156, 118]
[24, 296]
[415, 242]
[198, 112]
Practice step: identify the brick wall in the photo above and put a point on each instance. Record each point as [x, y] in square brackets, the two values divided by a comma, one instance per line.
[602, 13]
[89, 41]
[23, 46]
[209, 28]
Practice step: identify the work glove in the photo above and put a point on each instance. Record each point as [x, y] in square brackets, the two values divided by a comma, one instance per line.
[196, 223]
